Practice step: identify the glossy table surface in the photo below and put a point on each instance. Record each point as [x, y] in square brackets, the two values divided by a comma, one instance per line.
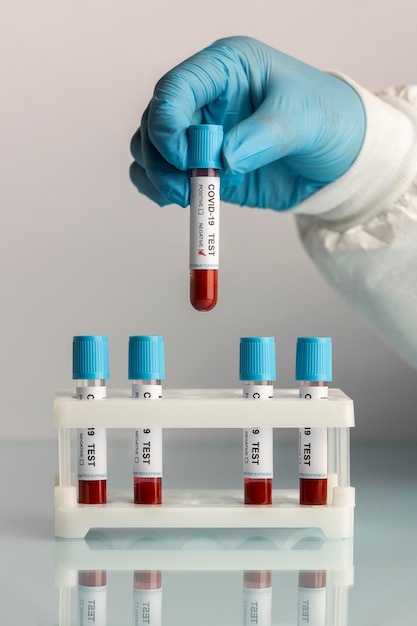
[201, 571]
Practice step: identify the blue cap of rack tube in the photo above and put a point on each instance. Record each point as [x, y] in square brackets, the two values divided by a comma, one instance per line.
[90, 357]
[313, 360]
[146, 357]
[257, 358]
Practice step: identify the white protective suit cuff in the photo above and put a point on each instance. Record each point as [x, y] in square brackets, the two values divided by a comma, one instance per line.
[383, 170]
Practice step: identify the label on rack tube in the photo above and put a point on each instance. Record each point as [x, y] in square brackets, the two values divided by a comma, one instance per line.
[147, 607]
[147, 454]
[311, 606]
[91, 393]
[258, 442]
[312, 452]
[147, 442]
[314, 392]
[258, 453]
[204, 222]
[312, 442]
[92, 454]
[92, 606]
[142, 391]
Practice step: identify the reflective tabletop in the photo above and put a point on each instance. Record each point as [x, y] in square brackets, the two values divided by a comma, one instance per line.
[204, 576]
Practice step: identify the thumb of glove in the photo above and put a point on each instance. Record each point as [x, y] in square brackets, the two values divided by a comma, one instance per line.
[260, 139]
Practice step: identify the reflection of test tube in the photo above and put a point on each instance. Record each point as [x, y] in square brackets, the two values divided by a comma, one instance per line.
[257, 598]
[257, 371]
[146, 370]
[311, 598]
[147, 598]
[313, 371]
[204, 162]
[92, 598]
[90, 371]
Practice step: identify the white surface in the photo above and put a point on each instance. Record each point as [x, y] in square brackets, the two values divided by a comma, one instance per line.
[83, 252]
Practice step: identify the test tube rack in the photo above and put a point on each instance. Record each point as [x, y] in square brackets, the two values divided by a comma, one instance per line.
[207, 408]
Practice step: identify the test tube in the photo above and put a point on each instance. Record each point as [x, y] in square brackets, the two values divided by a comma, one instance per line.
[146, 371]
[147, 598]
[311, 606]
[257, 598]
[90, 371]
[92, 598]
[204, 163]
[313, 370]
[257, 373]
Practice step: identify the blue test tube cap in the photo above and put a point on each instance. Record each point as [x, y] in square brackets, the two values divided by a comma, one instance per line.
[257, 358]
[205, 146]
[313, 360]
[146, 357]
[90, 357]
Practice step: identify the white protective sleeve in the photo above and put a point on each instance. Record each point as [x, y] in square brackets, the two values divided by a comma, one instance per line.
[361, 230]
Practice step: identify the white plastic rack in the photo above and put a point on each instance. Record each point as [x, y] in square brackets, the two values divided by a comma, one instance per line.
[207, 408]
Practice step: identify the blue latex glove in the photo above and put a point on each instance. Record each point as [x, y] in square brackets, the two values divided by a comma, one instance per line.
[289, 128]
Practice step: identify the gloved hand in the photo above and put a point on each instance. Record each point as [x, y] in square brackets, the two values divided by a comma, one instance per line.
[289, 128]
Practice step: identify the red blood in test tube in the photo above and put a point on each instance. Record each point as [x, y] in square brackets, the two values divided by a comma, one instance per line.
[258, 491]
[203, 289]
[147, 490]
[92, 491]
[313, 491]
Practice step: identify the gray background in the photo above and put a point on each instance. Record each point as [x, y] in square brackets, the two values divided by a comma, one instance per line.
[83, 253]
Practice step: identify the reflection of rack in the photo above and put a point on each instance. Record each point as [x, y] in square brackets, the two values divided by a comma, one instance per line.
[207, 408]
[195, 551]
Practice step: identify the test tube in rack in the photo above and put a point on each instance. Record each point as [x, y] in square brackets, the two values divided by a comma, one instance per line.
[146, 371]
[90, 371]
[257, 371]
[313, 371]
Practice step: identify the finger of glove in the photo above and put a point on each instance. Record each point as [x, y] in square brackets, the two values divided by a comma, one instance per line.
[144, 185]
[179, 99]
[171, 183]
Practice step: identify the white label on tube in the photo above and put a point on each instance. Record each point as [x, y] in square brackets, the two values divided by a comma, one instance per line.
[258, 392]
[91, 393]
[147, 442]
[311, 606]
[258, 442]
[146, 392]
[312, 442]
[257, 606]
[92, 454]
[147, 454]
[258, 453]
[147, 607]
[204, 222]
[312, 452]
[92, 606]
[314, 392]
